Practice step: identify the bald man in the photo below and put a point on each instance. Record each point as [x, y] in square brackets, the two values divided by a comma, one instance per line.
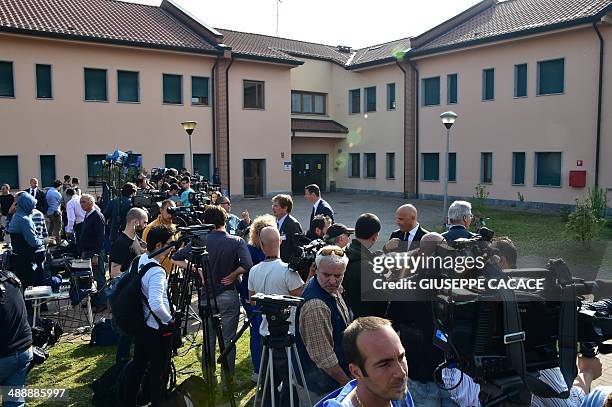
[409, 233]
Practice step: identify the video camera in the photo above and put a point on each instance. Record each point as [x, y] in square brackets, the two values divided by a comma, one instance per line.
[148, 199]
[276, 308]
[197, 234]
[201, 184]
[306, 256]
[186, 215]
[199, 199]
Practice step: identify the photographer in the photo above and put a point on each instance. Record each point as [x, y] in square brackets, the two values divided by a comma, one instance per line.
[360, 264]
[118, 209]
[152, 349]
[318, 227]
[273, 276]
[320, 321]
[459, 217]
[15, 337]
[338, 235]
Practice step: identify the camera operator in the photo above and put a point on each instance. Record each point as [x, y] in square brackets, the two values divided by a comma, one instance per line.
[288, 226]
[377, 361]
[320, 321]
[164, 218]
[153, 348]
[186, 185]
[459, 217]
[25, 240]
[273, 276]
[409, 233]
[360, 264]
[339, 235]
[318, 227]
[118, 208]
[173, 193]
[15, 336]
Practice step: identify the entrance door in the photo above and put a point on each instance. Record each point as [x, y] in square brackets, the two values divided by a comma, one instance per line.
[254, 177]
[308, 169]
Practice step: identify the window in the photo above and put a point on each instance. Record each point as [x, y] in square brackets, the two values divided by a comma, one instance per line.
[94, 169]
[390, 166]
[199, 90]
[43, 82]
[9, 170]
[548, 169]
[520, 81]
[391, 96]
[201, 165]
[488, 84]
[518, 168]
[452, 167]
[354, 100]
[173, 89]
[253, 94]
[486, 168]
[451, 89]
[127, 86]
[431, 91]
[354, 166]
[7, 86]
[47, 170]
[551, 77]
[176, 161]
[431, 166]
[95, 85]
[370, 99]
[369, 165]
[307, 102]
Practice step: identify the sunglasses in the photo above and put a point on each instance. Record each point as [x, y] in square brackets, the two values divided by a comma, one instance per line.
[328, 251]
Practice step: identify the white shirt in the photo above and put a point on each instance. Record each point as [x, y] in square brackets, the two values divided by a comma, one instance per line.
[316, 204]
[412, 233]
[274, 277]
[155, 288]
[281, 220]
[74, 212]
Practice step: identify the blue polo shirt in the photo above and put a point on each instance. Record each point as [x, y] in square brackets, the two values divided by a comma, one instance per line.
[54, 199]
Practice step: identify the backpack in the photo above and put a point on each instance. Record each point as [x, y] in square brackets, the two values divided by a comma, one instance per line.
[126, 300]
[108, 389]
[103, 333]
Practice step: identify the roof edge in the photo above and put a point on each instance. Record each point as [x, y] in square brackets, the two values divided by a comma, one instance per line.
[370, 64]
[107, 41]
[451, 23]
[343, 130]
[207, 32]
[266, 59]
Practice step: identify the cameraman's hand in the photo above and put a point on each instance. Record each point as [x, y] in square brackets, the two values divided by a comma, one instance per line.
[392, 244]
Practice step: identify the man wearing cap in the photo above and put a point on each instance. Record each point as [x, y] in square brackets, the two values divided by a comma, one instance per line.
[339, 235]
[409, 233]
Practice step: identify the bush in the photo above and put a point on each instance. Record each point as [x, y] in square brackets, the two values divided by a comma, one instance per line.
[480, 196]
[582, 224]
[598, 199]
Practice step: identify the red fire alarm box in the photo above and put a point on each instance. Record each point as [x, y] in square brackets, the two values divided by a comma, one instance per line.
[577, 178]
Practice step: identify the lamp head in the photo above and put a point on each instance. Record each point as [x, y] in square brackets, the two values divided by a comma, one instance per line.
[189, 126]
[448, 119]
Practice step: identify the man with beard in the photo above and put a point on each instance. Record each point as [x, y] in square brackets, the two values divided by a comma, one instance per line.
[377, 361]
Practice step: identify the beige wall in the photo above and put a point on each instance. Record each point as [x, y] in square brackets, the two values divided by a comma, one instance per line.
[71, 128]
[260, 134]
[565, 123]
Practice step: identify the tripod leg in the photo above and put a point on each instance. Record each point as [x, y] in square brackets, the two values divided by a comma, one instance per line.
[299, 362]
[261, 365]
[271, 366]
[289, 375]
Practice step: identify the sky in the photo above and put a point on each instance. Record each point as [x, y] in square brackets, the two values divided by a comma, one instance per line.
[355, 23]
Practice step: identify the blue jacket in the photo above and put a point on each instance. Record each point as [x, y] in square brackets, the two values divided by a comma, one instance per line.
[457, 232]
[318, 381]
[336, 398]
[21, 222]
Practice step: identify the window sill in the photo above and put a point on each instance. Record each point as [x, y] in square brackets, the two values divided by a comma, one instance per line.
[49, 98]
[128, 102]
[520, 97]
[7, 97]
[550, 94]
[309, 114]
[369, 177]
[354, 176]
[253, 108]
[518, 185]
[354, 113]
[370, 111]
[390, 178]
[486, 183]
[95, 101]
[488, 100]
[547, 186]
[430, 180]
[391, 110]
[172, 104]
[452, 182]
[437, 105]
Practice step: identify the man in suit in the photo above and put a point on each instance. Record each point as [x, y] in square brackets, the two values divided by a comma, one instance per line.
[38, 194]
[459, 217]
[312, 193]
[409, 234]
[92, 244]
[288, 226]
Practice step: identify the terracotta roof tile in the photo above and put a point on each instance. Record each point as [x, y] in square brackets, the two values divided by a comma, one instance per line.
[376, 53]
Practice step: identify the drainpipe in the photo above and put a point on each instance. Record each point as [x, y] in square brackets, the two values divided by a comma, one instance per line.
[416, 124]
[599, 101]
[227, 112]
[214, 112]
[404, 138]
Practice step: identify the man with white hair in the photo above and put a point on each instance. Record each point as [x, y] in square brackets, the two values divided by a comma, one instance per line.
[320, 321]
[91, 244]
[459, 217]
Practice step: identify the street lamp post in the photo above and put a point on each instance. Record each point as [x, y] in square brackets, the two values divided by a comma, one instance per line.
[448, 119]
[189, 126]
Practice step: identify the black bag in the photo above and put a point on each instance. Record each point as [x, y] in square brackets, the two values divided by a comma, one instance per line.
[126, 300]
[103, 333]
[108, 389]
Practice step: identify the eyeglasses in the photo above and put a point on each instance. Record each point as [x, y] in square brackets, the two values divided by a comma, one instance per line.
[328, 251]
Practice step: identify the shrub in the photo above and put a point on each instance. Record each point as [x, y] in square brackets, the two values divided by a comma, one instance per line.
[582, 224]
[480, 196]
[598, 199]
[521, 197]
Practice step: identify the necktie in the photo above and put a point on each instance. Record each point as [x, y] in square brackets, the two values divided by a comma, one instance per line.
[312, 214]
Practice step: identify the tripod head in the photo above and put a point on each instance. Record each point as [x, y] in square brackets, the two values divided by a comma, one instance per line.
[277, 312]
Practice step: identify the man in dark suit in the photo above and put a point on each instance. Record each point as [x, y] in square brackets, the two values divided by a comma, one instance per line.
[459, 217]
[38, 194]
[92, 244]
[409, 234]
[312, 193]
[288, 226]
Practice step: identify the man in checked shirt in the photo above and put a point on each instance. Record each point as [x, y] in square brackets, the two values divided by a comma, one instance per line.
[320, 321]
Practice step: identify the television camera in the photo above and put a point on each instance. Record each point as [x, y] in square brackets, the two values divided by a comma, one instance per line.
[305, 255]
[149, 199]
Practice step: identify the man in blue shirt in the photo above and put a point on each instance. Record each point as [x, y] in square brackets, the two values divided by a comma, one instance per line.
[186, 185]
[54, 213]
[377, 361]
